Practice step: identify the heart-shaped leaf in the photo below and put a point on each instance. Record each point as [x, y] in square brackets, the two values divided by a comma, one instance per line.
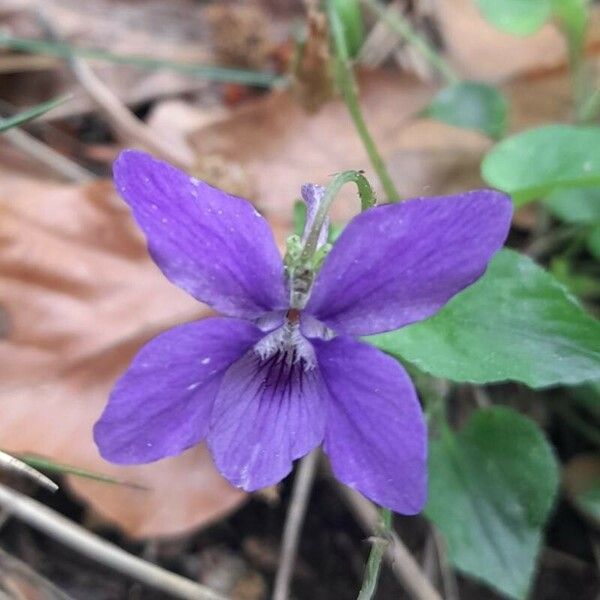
[491, 489]
[471, 105]
[532, 164]
[517, 322]
[519, 17]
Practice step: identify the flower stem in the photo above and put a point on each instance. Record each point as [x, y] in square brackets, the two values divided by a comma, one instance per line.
[348, 88]
[378, 549]
[367, 199]
[293, 523]
[401, 26]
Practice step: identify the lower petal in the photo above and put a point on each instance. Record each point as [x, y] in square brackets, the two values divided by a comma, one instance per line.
[268, 413]
[161, 406]
[375, 436]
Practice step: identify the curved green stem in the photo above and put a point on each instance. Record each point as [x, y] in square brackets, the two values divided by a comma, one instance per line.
[378, 548]
[367, 199]
[347, 86]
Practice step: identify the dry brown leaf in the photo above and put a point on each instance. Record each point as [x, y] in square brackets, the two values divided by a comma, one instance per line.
[81, 296]
[281, 146]
[480, 51]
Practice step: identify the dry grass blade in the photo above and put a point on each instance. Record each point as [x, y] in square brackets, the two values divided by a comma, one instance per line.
[58, 527]
[14, 464]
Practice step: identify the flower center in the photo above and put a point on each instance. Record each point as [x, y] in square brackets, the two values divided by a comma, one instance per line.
[288, 343]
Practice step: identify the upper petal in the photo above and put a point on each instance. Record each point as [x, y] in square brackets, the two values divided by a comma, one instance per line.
[375, 434]
[267, 414]
[215, 246]
[400, 263]
[162, 404]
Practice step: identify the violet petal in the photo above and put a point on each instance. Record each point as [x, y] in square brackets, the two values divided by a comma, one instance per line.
[215, 246]
[313, 194]
[375, 435]
[162, 404]
[400, 263]
[267, 414]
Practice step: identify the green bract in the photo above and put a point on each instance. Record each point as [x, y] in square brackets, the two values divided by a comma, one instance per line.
[532, 164]
[517, 322]
[491, 489]
[471, 105]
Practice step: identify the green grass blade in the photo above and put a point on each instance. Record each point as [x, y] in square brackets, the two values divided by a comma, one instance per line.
[31, 113]
[46, 464]
[66, 51]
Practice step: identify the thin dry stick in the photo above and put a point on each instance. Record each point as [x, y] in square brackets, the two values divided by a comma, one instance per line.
[58, 527]
[448, 576]
[293, 523]
[57, 163]
[124, 123]
[14, 464]
[402, 563]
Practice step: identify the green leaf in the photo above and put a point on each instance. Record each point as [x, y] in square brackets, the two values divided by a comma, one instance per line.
[587, 396]
[593, 242]
[491, 489]
[517, 322]
[532, 164]
[577, 205]
[518, 17]
[580, 284]
[471, 105]
[32, 113]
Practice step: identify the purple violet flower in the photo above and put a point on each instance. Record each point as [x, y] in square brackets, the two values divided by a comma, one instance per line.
[284, 371]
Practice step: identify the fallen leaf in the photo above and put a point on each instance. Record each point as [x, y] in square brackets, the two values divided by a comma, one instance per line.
[281, 146]
[480, 51]
[81, 296]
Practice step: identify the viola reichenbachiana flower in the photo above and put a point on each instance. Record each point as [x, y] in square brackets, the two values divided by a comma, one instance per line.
[284, 370]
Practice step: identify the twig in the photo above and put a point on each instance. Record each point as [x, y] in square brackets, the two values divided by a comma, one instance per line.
[124, 123]
[448, 577]
[14, 464]
[293, 523]
[380, 43]
[402, 27]
[429, 562]
[61, 529]
[402, 563]
[14, 573]
[42, 153]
